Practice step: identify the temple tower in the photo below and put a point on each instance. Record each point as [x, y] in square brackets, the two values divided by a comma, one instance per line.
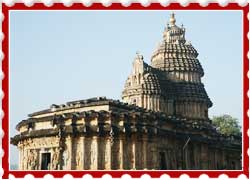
[142, 87]
[172, 83]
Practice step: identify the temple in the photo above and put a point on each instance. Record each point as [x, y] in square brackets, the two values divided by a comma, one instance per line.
[161, 123]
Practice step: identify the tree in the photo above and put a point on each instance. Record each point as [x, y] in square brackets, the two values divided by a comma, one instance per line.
[227, 125]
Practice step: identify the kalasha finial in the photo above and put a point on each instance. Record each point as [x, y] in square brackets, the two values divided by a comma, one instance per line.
[172, 19]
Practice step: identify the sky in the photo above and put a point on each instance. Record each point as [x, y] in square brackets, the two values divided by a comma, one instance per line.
[61, 56]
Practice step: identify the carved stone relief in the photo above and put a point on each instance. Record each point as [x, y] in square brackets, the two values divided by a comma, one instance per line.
[55, 159]
[79, 159]
[32, 160]
[66, 156]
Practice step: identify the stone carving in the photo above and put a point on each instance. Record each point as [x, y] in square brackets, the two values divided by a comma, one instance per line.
[25, 158]
[94, 152]
[40, 143]
[55, 159]
[66, 156]
[32, 160]
[79, 159]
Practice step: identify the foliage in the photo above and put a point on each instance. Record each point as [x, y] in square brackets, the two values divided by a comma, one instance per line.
[227, 125]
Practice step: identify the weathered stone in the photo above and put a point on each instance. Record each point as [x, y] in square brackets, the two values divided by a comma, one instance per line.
[162, 124]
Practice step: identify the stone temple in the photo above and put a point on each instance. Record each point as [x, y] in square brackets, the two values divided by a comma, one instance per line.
[161, 123]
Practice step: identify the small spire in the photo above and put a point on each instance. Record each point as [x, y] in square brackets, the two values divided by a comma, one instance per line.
[138, 55]
[172, 19]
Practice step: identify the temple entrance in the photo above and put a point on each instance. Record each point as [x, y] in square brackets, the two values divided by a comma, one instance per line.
[163, 164]
[45, 161]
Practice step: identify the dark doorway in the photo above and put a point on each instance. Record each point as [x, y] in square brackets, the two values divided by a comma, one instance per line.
[45, 161]
[163, 164]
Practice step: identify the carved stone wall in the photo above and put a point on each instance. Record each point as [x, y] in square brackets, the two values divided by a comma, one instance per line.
[164, 123]
[30, 152]
[124, 140]
[135, 152]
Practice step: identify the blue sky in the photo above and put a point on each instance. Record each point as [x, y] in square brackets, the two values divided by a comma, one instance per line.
[60, 56]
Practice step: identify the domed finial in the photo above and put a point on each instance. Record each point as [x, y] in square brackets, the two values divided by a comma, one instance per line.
[172, 19]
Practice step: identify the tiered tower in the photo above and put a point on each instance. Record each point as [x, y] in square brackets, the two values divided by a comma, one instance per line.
[172, 84]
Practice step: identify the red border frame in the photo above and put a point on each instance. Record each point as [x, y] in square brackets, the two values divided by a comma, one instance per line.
[118, 6]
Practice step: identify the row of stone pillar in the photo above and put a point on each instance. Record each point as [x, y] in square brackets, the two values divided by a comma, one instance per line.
[93, 153]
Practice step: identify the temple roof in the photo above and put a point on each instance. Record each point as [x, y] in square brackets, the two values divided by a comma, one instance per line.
[141, 117]
[91, 102]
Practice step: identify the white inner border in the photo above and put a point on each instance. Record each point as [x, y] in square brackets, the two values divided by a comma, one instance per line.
[242, 38]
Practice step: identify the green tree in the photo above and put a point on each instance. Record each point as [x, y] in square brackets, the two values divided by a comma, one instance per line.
[227, 125]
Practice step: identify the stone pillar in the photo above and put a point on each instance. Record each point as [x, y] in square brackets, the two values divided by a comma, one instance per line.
[121, 140]
[204, 156]
[197, 156]
[73, 152]
[83, 151]
[127, 153]
[115, 157]
[87, 153]
[133, 158]
[138, 154]
[68, 142]
[155, 164]
[79, 154]
[107, 156]
[101, 153]
[149, 154]
[25, 156]
[144, 152]
[94, 153]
